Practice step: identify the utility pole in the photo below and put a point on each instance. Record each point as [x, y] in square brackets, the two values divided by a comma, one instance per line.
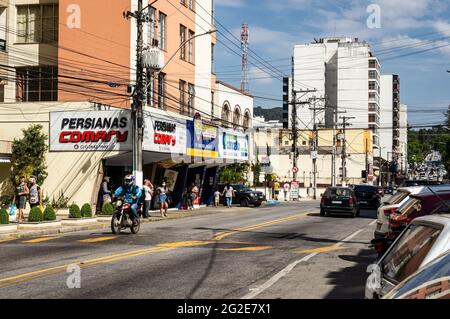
[294, 124]
[344, 148]
[334, 151]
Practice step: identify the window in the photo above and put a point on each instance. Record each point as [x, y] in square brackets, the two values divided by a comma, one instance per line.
[152, 27]
[372, 74]
[36, 84]
[191, 4]
[161, 90]
[3, 30]
[162, 31]
[225, 114]
[246, 123]
[182, 88]
[191, 99]
[182, 42]
[237, 117]
[409, 252]
[372, 85]
[37, 23]
[191, 47]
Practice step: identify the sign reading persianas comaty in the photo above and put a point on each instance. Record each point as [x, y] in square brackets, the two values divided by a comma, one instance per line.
[90, 131]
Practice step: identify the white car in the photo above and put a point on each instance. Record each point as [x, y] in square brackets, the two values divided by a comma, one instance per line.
[390, 205]
[396, 202]
[422, 241]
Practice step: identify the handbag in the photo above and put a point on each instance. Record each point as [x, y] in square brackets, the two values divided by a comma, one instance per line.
[12, 210]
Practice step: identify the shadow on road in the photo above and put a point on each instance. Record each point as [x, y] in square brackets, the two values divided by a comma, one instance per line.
[349, 283]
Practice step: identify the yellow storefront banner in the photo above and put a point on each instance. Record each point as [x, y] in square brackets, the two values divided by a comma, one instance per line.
[201, 153]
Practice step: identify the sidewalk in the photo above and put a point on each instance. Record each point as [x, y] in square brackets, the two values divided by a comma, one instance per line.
[173, 213]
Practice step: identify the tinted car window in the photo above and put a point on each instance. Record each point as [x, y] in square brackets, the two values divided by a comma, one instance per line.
[340, 192]
[409, 251]
[442, 209]
[365, 188]
[409, 206]
[397, 198]
[433, 280]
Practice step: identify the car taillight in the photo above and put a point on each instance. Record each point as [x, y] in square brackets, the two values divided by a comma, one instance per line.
[397, 220]
[389, 211]
[322, 200]
[350, 201]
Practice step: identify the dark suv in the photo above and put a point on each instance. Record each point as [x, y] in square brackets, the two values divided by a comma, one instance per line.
[368, 196]
[243, 195]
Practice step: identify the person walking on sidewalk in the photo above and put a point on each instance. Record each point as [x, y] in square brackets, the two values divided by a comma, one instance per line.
[106, 191]
[162, 193]
[148, 192]
[35, 197]
[192, 195]
[286, 188]
[216, 198]
[20, 197]
[228, 192]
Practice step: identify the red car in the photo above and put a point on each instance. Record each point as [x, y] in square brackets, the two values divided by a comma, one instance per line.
[426, 203]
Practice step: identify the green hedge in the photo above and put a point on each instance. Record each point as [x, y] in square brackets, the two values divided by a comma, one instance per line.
[107, 209]
[4, 217]
[49, 213]
[86, 210]
[74, 211]
[35, 215]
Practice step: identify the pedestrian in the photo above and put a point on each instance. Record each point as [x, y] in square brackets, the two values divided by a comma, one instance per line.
[286, 188]
[148, 193]
[163, 204]
[106, 191]
[192, 195]
[216, 198]
[20, 197]
[228, 192]
[276, 187]
[35, 193]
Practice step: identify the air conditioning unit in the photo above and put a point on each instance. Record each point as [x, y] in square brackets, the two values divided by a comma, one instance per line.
[153, 58]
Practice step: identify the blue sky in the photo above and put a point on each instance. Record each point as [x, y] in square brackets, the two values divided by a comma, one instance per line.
[407, 27]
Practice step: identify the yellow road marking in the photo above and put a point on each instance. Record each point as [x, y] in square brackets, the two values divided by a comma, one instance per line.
[245, 248]
[323, 249]
[221, 235]
[95, 240]
[38, 240]
[5, 240]
[186, 244]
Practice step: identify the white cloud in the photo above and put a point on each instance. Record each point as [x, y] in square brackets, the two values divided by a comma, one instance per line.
[230, 3]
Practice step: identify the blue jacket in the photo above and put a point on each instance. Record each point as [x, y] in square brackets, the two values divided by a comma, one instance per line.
[128, 192]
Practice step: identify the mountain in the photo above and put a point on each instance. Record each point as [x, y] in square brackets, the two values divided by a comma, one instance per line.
[275, 113]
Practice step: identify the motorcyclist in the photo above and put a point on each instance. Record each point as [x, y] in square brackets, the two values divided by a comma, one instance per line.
[131, 194]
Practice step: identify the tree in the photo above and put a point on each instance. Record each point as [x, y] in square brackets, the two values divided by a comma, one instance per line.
[234, 173]
[28, 154]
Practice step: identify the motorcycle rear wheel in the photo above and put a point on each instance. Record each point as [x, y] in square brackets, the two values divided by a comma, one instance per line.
[135, 228]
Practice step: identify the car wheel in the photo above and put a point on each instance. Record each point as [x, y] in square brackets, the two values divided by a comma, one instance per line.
[322, 212]
[244, 202]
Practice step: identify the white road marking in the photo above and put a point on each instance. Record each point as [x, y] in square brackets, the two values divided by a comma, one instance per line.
[373, 223]
[256, 291]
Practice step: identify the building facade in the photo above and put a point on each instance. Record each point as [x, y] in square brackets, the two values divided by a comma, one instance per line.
[68, 67]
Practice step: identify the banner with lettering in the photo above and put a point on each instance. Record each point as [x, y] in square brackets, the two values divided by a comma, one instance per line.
[164, 134]
[233, 145]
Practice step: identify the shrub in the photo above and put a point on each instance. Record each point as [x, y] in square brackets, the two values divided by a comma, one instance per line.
[107, 209]
[4, 217]
[35, 215]
[74, 211]
[86, 210]
[49, 213]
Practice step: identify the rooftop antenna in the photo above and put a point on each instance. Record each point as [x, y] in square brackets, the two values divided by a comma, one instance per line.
[244, 46]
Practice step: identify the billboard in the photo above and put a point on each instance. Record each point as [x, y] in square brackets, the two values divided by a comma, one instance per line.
[90, 131]
[164, 134]
[202, 139]
[233, 145]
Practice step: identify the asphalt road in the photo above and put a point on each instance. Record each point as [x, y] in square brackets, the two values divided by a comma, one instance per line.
[285, 251]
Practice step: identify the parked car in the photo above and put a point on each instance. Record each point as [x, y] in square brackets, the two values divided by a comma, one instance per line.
[339, 200]
[421, 241]
[243, 195]
[409, 183]
[430, 282]
[431, 201]
[390, 205]
[367, 195]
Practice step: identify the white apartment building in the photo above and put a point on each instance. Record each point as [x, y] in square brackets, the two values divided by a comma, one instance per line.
[346, 77]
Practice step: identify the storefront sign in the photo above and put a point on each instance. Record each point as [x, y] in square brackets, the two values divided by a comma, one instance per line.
[233, 145]
[202, 140]
[90, 131]
[164, 134]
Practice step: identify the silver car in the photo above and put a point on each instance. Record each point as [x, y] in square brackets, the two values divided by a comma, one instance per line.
[422, 241]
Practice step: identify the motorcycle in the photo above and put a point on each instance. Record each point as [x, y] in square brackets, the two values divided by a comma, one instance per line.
[121, 218]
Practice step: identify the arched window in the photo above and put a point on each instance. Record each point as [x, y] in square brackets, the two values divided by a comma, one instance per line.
[226, 114]
[247, 119]
[237, 117]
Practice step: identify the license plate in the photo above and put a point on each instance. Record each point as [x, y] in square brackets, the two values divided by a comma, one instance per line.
[336, 202]
[363, 202]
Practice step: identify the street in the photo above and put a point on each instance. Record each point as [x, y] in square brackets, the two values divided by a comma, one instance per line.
[284, 251]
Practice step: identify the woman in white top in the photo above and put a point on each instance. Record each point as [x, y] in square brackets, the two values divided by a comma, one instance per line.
[228, 191]
[148, 191]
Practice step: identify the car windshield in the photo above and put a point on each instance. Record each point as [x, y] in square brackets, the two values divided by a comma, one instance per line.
[365, 188]
[405, 257]
[240, 188]
[397, 198]
[433, 281]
